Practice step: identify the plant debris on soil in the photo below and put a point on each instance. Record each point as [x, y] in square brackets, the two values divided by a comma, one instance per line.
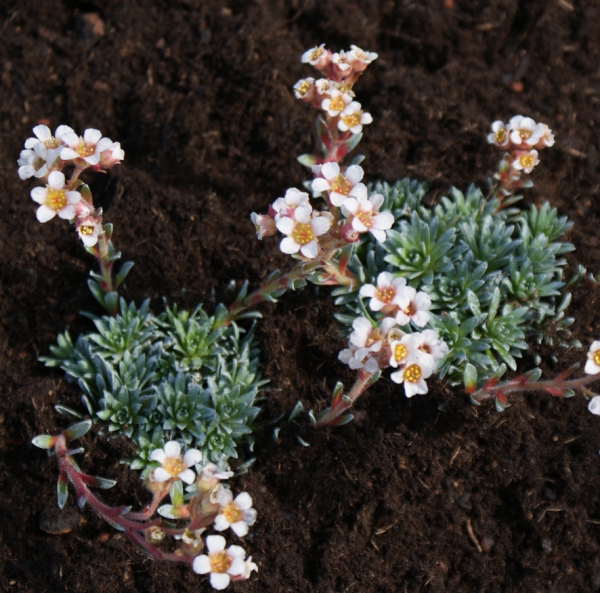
[426, 494]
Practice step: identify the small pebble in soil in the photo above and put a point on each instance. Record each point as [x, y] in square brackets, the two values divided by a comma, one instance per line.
[487, 543]
[464, 502]
[548, 494]
[57, 522]
[546, 545]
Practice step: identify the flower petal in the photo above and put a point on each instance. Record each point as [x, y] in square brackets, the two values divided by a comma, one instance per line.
[243, 501]
[158, 455]
[188, 476]
[192, 457]
[44, 214]
[215, 543]
[201, 564]
[173, 449]
[219, 580]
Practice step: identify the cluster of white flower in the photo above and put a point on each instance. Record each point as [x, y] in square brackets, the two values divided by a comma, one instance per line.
[521, 136]
[415, 354]
[223, 565]
[46, 155]
[351, 211]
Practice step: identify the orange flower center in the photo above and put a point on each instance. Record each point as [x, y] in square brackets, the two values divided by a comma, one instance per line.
[51, 143]
[400, 352]
[385, 295]
[526, 161]
[232, 513]
[219, 562]
[303, 233]
[316, 54]
[351, 120]
[341, 185]
[413, 373]
[56, 199]
[173, 465]
[86, 229]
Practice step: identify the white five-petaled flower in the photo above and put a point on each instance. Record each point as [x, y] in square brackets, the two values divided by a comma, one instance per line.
[89, 147]
[367, 336]
[237, 514]
[353, 118]
[324, 86]
[318, 57]
[264, 225]
[526, 160]
[413, 375]
[89, 230]
[335, 103]
[499, 135]
[41, 152]
[111, 155]
[384, 293]
[525, 130]
[414, 306]
[358, 358]
[402, 350]
[294, 198]
[366, 216]
[302, 232]
[592, 366]
[55, 199]
[429, 343]
[341, 63]
[359, 58]
[172, 465]
[223, 565]
[303, 87]
[546, 137]
[341, 187]
[594, 405]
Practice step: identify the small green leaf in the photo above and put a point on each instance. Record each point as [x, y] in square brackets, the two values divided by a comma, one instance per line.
[62, 491]
[44, 441]
[78, 430]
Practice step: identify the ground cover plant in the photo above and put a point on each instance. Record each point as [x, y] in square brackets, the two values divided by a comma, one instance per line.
[440, 469]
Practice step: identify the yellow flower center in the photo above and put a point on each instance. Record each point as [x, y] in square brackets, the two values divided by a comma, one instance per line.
[51, 143]
[365, 218]
[86, 229]
[360, 54]
[341, 185]
[336, 104]
[596, 357]
[303, 233]
[219, 562]
[173, 465]
[410, 310]
[232, 513]
[84, 149]
[351, 120]
[385, 295]
[400, 352]
[524, 134]
[56, 199]
[500, 136]
[413, 373]
[526, 161]
[316, 54]
[303, 87]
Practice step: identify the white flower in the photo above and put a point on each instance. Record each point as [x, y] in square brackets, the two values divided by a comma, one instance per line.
[526, 160]
[367, 336]
[359, 58]
[324, 86]
[89, 230]
[413, 375]
[41, 152]
[250, 566]
[547, 137]
[223, 565]
[592, 366]
[302, 231]
[429, 343]
[341, 63]
[293, 199]
[264, 225]
[303, 87]
[341, 187]
[237, 514]
[384, 293]
[402, 351]
[336, 103]
[414, 306]
[358, 358]
[499, 135]
[89, 147]
[173, 466]
[524, 129]
[55, 199]
[594, 405]
[317, 56]
[112, 155]
[353, 118]
[365, 216]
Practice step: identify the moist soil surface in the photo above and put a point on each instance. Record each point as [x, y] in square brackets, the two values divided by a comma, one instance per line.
[422, 494]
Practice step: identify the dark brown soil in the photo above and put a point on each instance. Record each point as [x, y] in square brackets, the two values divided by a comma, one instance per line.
[199, 95]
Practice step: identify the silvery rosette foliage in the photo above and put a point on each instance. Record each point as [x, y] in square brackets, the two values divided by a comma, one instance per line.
[495, 276]
[174, 376]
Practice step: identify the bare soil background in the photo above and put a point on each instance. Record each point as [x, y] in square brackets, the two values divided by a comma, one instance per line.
[199, 94]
